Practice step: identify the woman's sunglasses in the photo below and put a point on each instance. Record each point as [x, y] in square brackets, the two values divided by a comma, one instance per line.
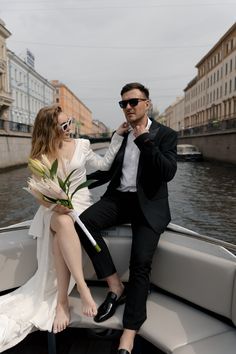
[64, 126]
[132, 102]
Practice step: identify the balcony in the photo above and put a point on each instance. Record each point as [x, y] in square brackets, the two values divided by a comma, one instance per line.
[2, 66]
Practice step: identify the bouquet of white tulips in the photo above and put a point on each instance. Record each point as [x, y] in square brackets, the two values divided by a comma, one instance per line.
[46, 185]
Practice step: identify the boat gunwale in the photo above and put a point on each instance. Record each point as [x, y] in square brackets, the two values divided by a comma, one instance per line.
[171, 227]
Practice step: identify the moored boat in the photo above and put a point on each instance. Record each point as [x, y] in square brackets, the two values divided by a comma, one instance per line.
[188, 152]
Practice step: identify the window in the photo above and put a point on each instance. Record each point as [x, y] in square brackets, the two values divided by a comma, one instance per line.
[225, 88]
[226, 68]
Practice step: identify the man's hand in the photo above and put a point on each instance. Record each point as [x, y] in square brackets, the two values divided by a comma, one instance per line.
[123, 128]
[139, 129]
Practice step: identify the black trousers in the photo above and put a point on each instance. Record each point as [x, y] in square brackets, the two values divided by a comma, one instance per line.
[116, 209]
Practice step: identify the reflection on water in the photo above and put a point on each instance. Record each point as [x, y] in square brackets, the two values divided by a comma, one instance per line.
[15, 203]
[202, 198]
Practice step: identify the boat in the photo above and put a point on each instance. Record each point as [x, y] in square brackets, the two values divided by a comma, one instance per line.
[188, 152]
[191, 308]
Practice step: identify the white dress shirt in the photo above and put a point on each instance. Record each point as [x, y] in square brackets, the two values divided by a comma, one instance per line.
[130, 164]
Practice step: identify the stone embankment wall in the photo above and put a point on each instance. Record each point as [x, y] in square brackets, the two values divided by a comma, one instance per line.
[217, 146]
[15, 150]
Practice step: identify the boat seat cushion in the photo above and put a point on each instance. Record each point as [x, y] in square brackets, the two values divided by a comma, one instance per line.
[79, 320]
[170, 323]
[202, 278]
[224, 343]
[234, 304]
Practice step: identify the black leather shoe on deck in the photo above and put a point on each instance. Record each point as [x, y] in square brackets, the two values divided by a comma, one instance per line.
[108, 307]
[123, 351]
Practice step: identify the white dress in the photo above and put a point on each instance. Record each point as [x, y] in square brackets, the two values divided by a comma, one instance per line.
[33, 304]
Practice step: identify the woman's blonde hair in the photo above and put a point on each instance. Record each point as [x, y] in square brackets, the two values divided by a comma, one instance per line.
[46, 136]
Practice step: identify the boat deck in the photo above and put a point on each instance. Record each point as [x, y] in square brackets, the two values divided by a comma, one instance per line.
[78, 341]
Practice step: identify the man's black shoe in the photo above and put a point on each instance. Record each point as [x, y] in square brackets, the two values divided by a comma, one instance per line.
[108, 307]
[123, 351]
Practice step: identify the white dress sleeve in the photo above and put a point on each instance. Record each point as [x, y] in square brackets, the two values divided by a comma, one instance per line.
[103, 163]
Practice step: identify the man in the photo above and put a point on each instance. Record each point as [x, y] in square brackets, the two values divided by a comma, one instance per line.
[137, 194]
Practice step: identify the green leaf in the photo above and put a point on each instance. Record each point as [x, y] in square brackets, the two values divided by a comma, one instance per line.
[53, 169]
[65, 202]
[83, 185]
[50, 200]
[61, 183]
[68, 187]
[68, 177]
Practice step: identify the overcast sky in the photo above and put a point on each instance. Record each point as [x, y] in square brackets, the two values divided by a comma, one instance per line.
[97, 46]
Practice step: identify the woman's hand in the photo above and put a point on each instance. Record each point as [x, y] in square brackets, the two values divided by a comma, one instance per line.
[123, 128]
[61, 209]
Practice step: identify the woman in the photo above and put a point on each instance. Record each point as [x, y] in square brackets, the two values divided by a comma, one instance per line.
[43, 301]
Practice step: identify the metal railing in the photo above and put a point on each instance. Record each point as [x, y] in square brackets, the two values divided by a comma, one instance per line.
[9, 125]
[19, 127]
[214, 125]
[195, 235]
[96, 138]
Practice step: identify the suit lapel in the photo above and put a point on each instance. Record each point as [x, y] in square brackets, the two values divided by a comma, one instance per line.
[153, 130]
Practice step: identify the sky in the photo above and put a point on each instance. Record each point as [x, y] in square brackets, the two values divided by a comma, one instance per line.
[95, 47]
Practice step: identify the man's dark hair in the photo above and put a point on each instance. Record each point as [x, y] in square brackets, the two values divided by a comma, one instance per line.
[135, 85]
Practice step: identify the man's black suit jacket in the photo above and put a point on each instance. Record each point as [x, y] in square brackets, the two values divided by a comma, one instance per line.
[157, 166]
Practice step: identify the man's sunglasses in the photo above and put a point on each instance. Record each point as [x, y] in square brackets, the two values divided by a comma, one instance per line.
[64, 126]
[132, 102]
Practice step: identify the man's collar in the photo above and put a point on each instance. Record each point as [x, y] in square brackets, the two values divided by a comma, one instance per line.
[149, 122]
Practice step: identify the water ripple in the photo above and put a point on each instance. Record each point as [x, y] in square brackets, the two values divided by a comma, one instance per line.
[202, 198]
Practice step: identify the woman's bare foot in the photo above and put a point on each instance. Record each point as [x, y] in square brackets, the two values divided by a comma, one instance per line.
[62, 317]
[89, 307]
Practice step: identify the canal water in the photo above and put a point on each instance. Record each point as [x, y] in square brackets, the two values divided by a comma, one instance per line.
[202, 198]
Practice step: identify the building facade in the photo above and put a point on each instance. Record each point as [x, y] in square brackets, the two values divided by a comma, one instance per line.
[210, 97]
[30, 92]
[174, 114]
[75, 108]
[100, 129]
[5, 95]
